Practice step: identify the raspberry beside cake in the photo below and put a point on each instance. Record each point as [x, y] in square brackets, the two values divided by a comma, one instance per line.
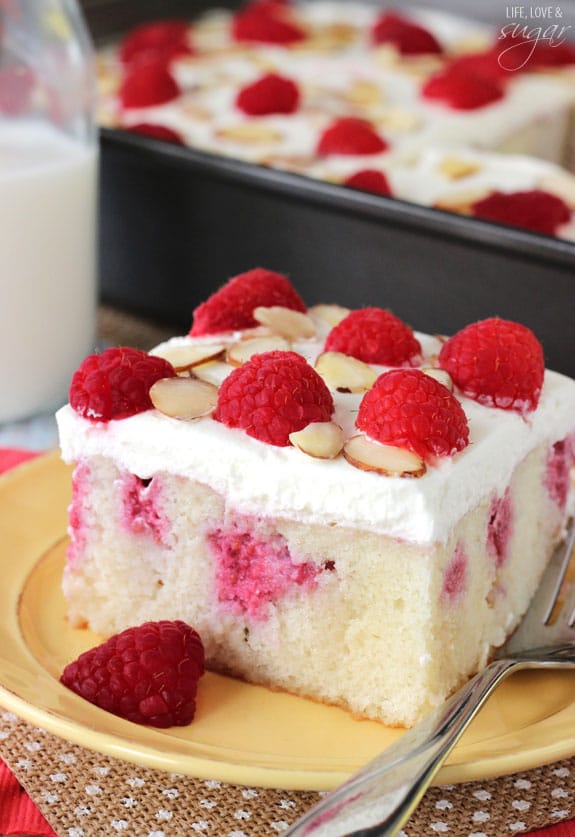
[320, 538]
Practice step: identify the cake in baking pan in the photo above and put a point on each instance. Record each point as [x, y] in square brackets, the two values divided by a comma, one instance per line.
[321, 86]
[343, 508]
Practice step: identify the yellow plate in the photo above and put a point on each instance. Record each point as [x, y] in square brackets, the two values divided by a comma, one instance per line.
[242, 734]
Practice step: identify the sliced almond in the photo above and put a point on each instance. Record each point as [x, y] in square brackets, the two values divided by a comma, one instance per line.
[214, 372]
[184, 358]
[383, 459]
[440, 375]
[399, 120]
[561, 185]
[184, 398]
[330, 314]
[196, 111]
[386, 55]
[250, 132]
[364, 92]
[420, 66]
[344, 373]
[285, 322]
[461, 202]
[243, 350]
[472, 42]
[320, 439]
[456, 168]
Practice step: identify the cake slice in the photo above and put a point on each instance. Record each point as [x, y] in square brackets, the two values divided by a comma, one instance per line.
[268, 485]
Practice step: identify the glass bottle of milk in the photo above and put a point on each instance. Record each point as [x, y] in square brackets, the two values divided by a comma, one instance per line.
[48, 173]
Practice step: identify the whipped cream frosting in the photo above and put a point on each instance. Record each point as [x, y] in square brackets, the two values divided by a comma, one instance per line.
[257, 478]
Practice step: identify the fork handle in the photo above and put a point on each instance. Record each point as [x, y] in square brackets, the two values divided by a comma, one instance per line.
[382, 796]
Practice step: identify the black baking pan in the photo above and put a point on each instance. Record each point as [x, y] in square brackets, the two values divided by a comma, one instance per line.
[175, 223]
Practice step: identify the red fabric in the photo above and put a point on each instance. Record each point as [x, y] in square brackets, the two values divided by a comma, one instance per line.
[9, 458]
[19, 815]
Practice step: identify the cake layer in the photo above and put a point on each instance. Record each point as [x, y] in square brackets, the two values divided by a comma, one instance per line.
[384, 628]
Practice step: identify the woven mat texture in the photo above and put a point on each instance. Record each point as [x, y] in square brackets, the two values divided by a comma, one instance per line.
[85, 794]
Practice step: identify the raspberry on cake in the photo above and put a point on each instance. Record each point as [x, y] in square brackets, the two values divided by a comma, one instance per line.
[148, 84]
[161, 40]
[232, 306]
[266, 22]
[350, 136]
[369, 180]
[375, 335]
[389, 523]
[273, 395]
[409, 409]
[534, 210]
[408, 37]
[116, 383]
[496, 362]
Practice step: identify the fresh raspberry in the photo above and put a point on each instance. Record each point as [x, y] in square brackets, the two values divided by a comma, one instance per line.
[269, 94]
[147, 674]
[266, 22]
[369, 180]
[375, 335]
[272, 395]
[408, 37]
[116, 383]
[551, 55]
[149, 129]
[231, 307]
[409, 409]
[160, 40]
[534, 209]
[148, 84]
[496, 362]
[485, 64]
[350, 135]
[462, 91]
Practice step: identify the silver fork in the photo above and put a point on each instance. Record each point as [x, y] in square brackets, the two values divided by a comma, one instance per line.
[380, 798]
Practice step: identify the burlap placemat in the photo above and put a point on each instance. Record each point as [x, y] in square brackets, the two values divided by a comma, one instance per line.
[120, 328]
[85, 794]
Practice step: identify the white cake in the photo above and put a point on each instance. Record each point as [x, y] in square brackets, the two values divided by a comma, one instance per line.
[378, 593]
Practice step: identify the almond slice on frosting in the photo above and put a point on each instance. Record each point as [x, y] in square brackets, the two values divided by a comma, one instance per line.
[440, 375]
[456, 168]
[345, 373]
[184, 398]
[243, 350]
[383, 459]
[184, 358]
[461, 202]
[248, 132]
[328, 313]
[285, 322]
[320, 439]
